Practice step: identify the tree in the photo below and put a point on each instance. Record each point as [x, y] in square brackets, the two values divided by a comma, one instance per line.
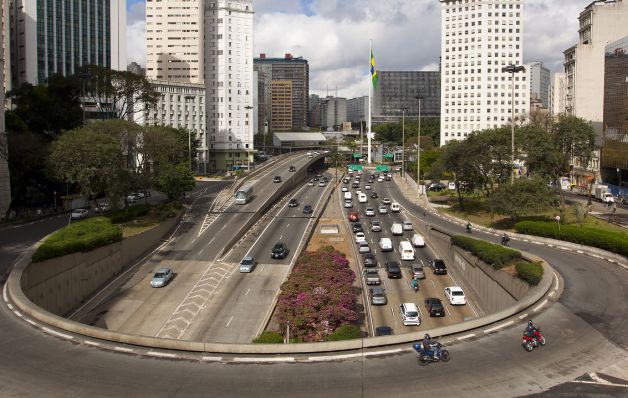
[392, 132]
[174, 179]
[458, 160]
[523, 197]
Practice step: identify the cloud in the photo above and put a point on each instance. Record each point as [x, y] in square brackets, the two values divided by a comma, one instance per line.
[136, 33]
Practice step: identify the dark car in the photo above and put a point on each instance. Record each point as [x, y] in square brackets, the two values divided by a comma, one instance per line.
[383, 331]
[369, 260]
[315, 178]
[307, 209]
[374, 195]
[438, 266]
[434, 306]
[279, 250]
[293, 203]
[345, 181]
[357, 228]
[277, 179]
[393, 270]
[292, 168]
[437, 186]
[355, 185]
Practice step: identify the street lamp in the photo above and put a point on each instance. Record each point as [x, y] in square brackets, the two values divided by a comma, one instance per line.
[248, 158]
[403, 144]
[361, 140]
[191, 98]
[512, 69]
[418, 150]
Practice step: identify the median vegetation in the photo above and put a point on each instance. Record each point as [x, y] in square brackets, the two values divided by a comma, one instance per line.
[616, 242]
[495, 255]
[530, 272]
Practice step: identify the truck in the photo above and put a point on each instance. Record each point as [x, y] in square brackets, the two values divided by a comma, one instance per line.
[603, 194]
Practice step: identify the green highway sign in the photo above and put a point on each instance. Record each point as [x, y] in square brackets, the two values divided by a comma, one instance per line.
[389, 155]
[357, 155]
[382, 167]
[355, 167]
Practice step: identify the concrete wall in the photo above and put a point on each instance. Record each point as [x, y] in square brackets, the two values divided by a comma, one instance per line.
[61, 284]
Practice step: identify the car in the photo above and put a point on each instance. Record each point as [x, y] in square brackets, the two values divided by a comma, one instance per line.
[398, 168]
[355, 185]
[358, 191]
[410, 314]
[416, 271]
[394, 207]
[393, 270]
[280, 250]
[378, 296]
[369, 260]
[373, 195]
[370, 212]
[348, 204]
[383, 331]
[345, 189]
[325, 179]
[247, 264]
[277, 179]
[418, 240]
[132, 198]
[293, 203]
[436, 186]
[360, 237]
[315, 178]
[396, 229]
[104, 207]
[310, 183]
[161, 277]
[386, 201]
[364, 247]
[309, 155]
[438, 266]
[357, 228]
[455, 295]
[139, 194]
[292, 168]
[385, 244]
[388, 178]
[321, 184]
[78, 214]
[380, 179]
[371, 276]
[376, 226]
[354, 216]
[382, 209]
[367, 187]
[345, 180]
[307, 209]
[407, 225]
[434, 306]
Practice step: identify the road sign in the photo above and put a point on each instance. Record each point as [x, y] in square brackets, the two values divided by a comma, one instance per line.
[389, 156]
[382, 167]
[357, 155]
[355, 167]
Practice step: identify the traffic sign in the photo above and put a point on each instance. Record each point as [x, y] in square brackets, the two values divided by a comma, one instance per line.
[355, 167]
[357, 155]
[382, 167]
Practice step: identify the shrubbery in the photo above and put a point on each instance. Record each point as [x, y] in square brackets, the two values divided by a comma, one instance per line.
[318, 296]
[495, 255]
[80, 236]
[269, 338]
[168, 210]
[346, 332]
[121, 216]
[615, 242]
[530, 272]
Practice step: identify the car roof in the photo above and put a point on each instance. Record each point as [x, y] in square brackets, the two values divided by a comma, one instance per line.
[248, 258]
[410, 306]
[454, 288]
[163, 270]
[377, 290]
[433, 300]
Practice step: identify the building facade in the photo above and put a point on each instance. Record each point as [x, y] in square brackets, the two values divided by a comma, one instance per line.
[5, 180]
[136, 69]
[539, 77]
[281, 105]
[174, 40]
[478, 39]
[314, 111]
[558, 94]
[358, 110]
[333, 113]
[398, 91]
[61, 36]
[229, 82]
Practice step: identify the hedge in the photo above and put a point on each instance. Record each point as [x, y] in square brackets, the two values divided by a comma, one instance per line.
[168, 210]
[121, 216]
[346, 332]
[79, 236]
[615, 242]
[530, 272]
[495, 255]
[269, 337]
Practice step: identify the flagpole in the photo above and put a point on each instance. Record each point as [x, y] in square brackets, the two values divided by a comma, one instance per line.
[370, 81]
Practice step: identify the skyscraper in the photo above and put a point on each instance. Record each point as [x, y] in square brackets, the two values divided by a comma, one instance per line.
[539, 82]
[229, 82]
[396, 91]
[558, 94]
[5, 181]
[60, 36]
[174, 40]
[478, 39]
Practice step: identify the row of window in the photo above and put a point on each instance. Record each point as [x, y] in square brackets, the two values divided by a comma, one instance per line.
[450, 6]
[459, 17]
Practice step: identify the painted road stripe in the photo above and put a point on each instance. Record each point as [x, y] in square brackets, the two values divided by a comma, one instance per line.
[92, 343]
[161, 354]
[282, 359]
[18, 313]
[499, 327]
[523, 316]
[579, 252]
[31, 322]
[65, 336]
[214, 359]
[540, 306]
[123, 349]
[333, 357]
[370, 354]
[466, 337]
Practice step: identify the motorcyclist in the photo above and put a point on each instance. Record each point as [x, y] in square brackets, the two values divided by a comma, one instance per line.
[531, 329]
[468, 227]
[429, 347]
[415, 283]
[505, 239]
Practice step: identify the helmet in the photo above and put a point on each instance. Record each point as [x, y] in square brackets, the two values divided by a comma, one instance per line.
[530, 322]
[426, 337]
[417, 346]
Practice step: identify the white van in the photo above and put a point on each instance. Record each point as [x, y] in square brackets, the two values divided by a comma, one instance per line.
[347, 195]
[362, 198]
[396, 229]
[385, 244]
[410, 314]
[406, 250]
[395, 208]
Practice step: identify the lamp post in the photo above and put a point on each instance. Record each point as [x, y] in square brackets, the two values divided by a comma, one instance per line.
[248, 115]
[418, 150]
[512, 69]
[361, 139]
[403, 144]
[191, 98]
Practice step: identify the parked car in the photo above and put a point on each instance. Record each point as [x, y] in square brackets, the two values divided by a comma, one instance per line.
[247, 264]
[386, 201]
[307, 209]
[78, 214]
[438, 266]
[455, 295]
[416, 271]
[360, 237]
[104, 207]
[376, 226]
[370, 212]
[161, 277]
[293, 203]
[369, 260]
[436, 186]
[384, 331]
[357, 228]
[378, 296]
[371, 276]
[434, 306]
[393, 270]
[132, 198]
[354, 216]
[280, 250]
[364, 248]
[418, 241]
[277, 179]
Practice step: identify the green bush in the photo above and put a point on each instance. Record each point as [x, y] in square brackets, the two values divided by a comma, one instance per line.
[346, 332]
[615, 242]
[80, 236]
[121, 216]
[495, 255]
[269, 338]
[530, 272]
[168, 210]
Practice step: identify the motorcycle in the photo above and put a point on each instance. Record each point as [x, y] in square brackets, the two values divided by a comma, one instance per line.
[506, 241]
[468, 228]
[434, 356]
[529, 343]
[415, 285]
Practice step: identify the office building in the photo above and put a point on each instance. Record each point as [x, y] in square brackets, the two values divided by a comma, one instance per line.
[397, 91]
[136, 69]
[478, 39]
[288, 68]
[601, 22]
[281, 105]
[333, 113]
[314, 111]
[61, 36]
[5, 180]
[229, 82]
[358, 111]
[174, 40]
[539, 77]
[558, 94]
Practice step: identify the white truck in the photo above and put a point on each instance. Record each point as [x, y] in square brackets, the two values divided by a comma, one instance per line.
[603, 194]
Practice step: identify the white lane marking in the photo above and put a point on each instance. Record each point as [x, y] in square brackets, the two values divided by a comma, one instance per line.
[370, 354]
[31, 322]
[280, 236]
[447, 309]
[524, 316]
[229, 323]
[214, 359]
[283, 359]
[540, 306]
[247, 292]
[262, 268]
[62, 335]
[92, 343]
[466, 337]
[433, 284]
[123, 349]
[503, 325]
[161, 354]
[333, 357]
[287, 225]
[18, 313]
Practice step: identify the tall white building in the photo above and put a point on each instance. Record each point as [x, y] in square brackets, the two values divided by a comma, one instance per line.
[478, 39]
[558, 94]
[539, 77]
[229, 82]
[174, 40]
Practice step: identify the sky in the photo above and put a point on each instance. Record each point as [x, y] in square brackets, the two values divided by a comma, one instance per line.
[333, 35]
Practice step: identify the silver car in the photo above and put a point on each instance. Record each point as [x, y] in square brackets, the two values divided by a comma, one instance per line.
[364, 248]
[161, 277]
[383, 209]
[378, 296]
[247, 264]
[376, 226]
[416, 271]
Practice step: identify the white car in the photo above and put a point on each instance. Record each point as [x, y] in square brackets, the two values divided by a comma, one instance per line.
[310, 183]
[418, 241]
[407, 225]
[385, 244]
[345, 189]
[383, 210]
[367, 188]
[364, 248]
[380, 179]
[386, 201]
[395, 208]
[348, 204]
[370, 212]
[360, 237]
[455, 295]
[358, 191]
[78, 214]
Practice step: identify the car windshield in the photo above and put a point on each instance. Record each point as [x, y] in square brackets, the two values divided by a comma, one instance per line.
[160, 275]
[457, 293]
[246, 262]
[412, 314]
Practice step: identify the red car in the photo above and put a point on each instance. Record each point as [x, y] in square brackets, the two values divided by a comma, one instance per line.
[354, 216]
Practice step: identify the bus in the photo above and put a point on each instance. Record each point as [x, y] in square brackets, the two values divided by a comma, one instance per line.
[244, 195]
